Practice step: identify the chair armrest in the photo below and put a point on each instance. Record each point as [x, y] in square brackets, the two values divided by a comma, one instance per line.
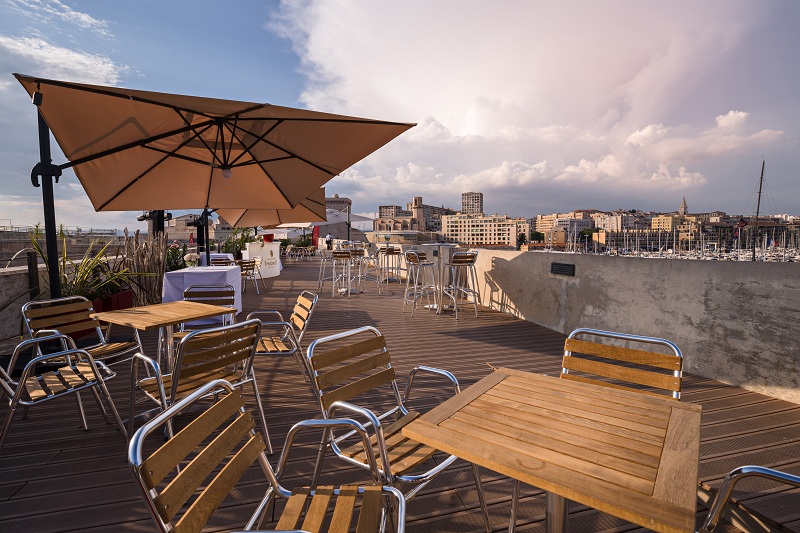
[431, 370]
[726, 489]
[257, 314]
[330, 423]
[373, 421]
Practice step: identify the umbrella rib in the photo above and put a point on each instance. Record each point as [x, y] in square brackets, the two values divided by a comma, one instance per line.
[261, 138]
[121, 148]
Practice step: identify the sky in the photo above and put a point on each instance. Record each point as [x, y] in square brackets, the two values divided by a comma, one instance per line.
[543, 106]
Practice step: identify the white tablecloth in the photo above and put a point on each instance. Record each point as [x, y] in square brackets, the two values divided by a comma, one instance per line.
[177, 281]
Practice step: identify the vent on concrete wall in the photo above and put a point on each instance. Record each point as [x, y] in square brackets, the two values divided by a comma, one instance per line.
[562, 268]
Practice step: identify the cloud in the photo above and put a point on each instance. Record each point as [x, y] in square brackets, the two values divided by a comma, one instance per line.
[581, 94]
[733, 120]
[53, 12]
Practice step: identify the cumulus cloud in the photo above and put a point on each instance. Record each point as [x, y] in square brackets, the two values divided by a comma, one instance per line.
[582, 94]
[733, 120]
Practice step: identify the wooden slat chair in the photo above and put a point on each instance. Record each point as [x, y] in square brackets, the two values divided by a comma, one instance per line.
[51, 376]
[353, 365]
[70, 316]
[224, 352]
[186, 479]
[248, 267]
[286, 337]
[623, 367]
[725, 507]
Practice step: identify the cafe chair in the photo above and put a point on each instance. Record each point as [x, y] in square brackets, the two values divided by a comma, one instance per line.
[259, 260]
[631, 368]
[224, 352]
[70, 315]
[186, 479]
[352, 375]
[725, 507]
[54, 375]
[286, 336]
[341, 268]
[248, 267]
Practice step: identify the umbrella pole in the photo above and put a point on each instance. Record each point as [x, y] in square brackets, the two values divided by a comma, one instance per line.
[47, 171]
[206, 214]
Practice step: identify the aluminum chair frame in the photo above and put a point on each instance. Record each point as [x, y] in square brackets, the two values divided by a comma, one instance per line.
[150, 472]
[342, 272]
[69, 315]
[463, 281]
[259, 260]
[248, 268]
[69, 371]
[289, 340]
[416, 288]
[723, 499]
[203, 355]
[340, 401]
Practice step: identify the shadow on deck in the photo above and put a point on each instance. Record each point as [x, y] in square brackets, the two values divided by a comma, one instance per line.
[55, 477]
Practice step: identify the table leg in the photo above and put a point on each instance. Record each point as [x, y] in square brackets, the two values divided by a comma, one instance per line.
[170, 340]
[512, 521]
[556, 514]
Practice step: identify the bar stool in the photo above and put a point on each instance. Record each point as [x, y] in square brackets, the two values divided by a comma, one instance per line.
[418, 270]
[341, 272]
[389, 265]
[325, 258]
[463, 281]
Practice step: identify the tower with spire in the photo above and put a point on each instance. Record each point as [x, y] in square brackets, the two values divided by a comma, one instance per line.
[682, 210]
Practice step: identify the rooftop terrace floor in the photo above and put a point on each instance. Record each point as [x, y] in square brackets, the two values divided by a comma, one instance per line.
[55, 477]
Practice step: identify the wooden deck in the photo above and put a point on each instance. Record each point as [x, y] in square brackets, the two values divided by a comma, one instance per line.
[55, 477]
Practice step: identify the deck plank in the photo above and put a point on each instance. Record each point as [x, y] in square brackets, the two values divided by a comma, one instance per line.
[56, 477]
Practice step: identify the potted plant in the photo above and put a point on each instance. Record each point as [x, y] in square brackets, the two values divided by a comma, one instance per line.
[105, 282]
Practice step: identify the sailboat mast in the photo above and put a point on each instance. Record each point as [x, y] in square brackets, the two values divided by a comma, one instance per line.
[758, 208]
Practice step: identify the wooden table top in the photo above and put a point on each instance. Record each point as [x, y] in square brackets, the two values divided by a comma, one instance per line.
[160, 315]
[632, 455]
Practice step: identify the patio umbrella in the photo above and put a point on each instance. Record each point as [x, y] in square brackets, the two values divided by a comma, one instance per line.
[312, 209]
[140, 150]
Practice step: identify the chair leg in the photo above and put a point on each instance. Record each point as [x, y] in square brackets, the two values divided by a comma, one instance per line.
[99, 403]
[323, 447]
[12, 409]
[81, 411]
[261, 411]
[113, 409]
[482, 499]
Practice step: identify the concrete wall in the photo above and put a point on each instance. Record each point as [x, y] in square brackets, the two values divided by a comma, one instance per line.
[13, 282]
[735, 322]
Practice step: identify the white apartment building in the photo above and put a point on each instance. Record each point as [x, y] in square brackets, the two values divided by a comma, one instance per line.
[484, 230]
[545, 223]
[614, 221]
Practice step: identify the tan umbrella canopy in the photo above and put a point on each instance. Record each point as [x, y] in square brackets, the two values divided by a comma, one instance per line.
[312, 209]
[140, 150]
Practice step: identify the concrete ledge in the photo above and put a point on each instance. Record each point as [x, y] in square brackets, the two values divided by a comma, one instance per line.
[735, 322]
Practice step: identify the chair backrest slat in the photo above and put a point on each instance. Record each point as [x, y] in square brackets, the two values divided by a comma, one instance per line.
[343, 373]
[337, 355]
[56, 309]
[353, 389]
[178, 492]
[201, 509]
[57, 321]
[155, 467]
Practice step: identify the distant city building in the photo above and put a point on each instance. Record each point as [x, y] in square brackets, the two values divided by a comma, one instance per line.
[472, 203]
[336, 203]
[545, 223]
[484, 230]
[417, 216]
